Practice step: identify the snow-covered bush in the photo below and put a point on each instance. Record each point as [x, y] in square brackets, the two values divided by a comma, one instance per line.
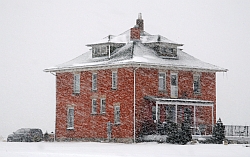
[218, 134]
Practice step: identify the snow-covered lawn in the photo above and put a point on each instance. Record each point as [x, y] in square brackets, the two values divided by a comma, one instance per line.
[92, 149]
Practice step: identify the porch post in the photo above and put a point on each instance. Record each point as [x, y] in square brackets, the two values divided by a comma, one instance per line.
[175, 113]
[156, 110]
[212, 117]
[194, 116]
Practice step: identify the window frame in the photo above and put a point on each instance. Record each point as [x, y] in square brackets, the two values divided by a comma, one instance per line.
[94, 106]
[77, 84]
[114, 80]
[103, 105]
[94, 81]
[198, 80]
[162, 84]
[70, 118]
[117, 114]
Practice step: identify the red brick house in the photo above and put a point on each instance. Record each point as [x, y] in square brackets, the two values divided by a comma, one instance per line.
[127, 81]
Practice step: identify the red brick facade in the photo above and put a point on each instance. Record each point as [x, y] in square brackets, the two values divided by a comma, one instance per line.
[88, 126]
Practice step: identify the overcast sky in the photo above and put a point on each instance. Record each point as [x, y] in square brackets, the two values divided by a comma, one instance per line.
[37, 34]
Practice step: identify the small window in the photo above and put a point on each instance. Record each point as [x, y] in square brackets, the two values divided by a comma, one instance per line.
[117, 115]
[114, 80]
[162, 81]
[70, 118]
[154, 113]
[103, 105]
[76, 83]
[171, 113]
[197, 85]
[94, 106]
[94, 81]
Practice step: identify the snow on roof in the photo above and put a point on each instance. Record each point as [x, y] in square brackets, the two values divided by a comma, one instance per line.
[136, 54]
[125, 38]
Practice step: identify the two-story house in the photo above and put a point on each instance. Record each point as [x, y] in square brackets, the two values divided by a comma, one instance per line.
[130, 80]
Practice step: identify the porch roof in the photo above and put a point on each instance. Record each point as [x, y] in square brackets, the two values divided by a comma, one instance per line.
[169, 101]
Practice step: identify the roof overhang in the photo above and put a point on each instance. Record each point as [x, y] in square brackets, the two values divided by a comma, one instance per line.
[185, 102]
[129, 64]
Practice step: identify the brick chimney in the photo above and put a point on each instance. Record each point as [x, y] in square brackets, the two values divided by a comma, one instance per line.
[135, 33]
[137, 29]
[140, 23]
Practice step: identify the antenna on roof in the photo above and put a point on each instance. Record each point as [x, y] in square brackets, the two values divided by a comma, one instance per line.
[140, 16]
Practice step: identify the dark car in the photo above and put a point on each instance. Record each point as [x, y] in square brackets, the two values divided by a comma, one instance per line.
[26, 135]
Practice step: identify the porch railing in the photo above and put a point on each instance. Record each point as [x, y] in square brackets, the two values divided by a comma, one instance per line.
[237, 130]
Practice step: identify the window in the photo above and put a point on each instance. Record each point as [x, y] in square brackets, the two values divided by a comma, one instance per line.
[117, 114]
[103, 105]
[162, 81]
[114, 79]
[76, 83]
[94, 81]
[154, 112]
[197, 85]
[174, 85]
[94, 106]
[170, 113]
[70, 118]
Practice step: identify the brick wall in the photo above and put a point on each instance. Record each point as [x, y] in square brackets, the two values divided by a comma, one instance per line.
[87, 125]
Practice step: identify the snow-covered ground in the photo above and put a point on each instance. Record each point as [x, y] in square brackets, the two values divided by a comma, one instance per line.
[92, 149]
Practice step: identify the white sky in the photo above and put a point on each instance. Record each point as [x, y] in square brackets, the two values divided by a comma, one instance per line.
[35, 35]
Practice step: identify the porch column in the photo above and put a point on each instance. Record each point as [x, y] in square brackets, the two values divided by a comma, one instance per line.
[212, 117]
[156, 110]
[194, 116]
[176, 113]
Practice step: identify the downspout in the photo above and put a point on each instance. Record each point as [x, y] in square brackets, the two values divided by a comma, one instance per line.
[132, 54]
[134, 100]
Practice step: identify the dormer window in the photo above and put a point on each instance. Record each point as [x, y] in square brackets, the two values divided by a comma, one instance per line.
[103, 50]
[100, 50]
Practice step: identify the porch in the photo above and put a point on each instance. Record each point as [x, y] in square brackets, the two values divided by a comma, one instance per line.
[166, 111]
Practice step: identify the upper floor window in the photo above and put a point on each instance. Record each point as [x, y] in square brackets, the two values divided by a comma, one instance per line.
[70, 118]
[197, 84]
[162, 81]
[94, 106]
[94, 81]
[114, 79]
[117, 115]
[103, 105]
[76, 83]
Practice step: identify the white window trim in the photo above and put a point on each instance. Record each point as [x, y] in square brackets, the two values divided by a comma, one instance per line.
[102, 106]
[94, 82]
[194, 76]
[94, 106]
[116, 120]
[69, 127]
[114, 85]
[164, 81]
[174, 94]
[77, 80]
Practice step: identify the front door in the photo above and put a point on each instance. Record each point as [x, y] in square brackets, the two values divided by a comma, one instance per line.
[174, 85]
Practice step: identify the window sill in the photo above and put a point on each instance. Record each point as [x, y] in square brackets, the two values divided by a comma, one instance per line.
[94, 90]
[162, 90]
[118, 123]
[196, 93]
[113, 88]
[70, 128]
[94, 114]
[76, 94]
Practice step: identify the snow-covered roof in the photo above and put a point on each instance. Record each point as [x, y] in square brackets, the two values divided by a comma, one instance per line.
[136, 54]
[125, 38]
